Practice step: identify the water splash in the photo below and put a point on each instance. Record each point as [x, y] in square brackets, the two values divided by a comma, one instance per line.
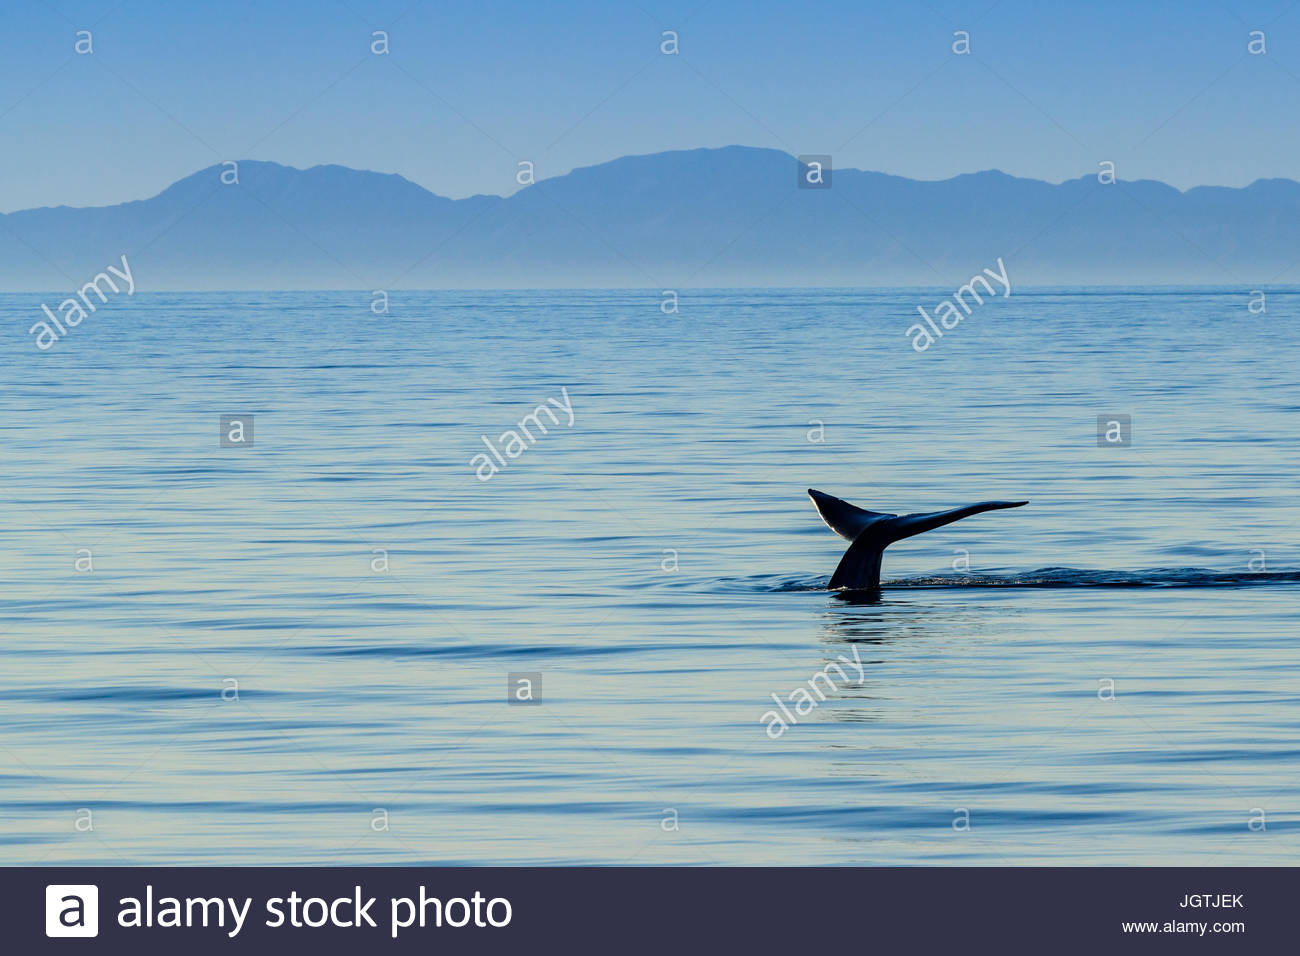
[1054, 577]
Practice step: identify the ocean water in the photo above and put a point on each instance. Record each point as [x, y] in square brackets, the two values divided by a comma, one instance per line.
[298, 651]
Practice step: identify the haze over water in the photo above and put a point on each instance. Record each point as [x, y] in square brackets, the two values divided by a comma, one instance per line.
[693, 442]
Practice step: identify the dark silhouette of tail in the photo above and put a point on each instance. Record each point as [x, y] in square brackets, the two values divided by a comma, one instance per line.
[873, 531]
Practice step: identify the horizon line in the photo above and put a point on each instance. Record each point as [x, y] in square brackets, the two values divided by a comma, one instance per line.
[1049, 289]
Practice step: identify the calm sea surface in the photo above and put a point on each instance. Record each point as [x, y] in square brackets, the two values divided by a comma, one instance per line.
[297, 652]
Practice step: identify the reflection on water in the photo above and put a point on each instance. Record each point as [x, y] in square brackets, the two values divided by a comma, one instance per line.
[276, 642]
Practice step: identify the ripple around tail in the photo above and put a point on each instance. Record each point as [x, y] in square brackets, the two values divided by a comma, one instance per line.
[1039, 578]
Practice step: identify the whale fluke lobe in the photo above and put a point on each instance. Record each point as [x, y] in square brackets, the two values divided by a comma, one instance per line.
[873, 531]
[846, 520]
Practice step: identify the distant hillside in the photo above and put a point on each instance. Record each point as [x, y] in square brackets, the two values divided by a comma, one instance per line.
[704, 217]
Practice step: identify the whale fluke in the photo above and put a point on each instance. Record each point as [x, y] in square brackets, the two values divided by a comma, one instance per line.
[873, 531]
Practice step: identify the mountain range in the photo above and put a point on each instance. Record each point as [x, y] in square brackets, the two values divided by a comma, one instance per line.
[734, 216]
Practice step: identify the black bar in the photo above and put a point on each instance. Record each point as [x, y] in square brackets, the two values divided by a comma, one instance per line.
[667, 910]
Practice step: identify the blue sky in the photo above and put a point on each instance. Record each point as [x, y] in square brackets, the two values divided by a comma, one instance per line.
[1165, 90]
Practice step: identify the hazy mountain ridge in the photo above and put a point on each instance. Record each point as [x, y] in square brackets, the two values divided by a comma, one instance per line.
[706, 217]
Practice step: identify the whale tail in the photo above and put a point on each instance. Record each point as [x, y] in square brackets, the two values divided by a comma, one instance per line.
[872, 531]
